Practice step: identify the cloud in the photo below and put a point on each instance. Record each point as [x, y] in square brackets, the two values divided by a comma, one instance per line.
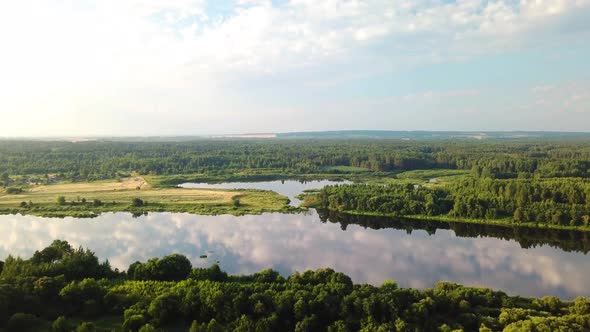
[69, 59]
[560, 99]
[262, 36]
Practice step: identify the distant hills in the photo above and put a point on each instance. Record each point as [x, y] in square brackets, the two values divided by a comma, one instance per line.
[410, 135]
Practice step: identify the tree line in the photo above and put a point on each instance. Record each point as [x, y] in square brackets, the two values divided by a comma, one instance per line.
[39, 160]
[562, 202]
[60, 285]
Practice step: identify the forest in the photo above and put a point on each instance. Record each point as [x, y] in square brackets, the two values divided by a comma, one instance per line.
[552, 202]
[107, 159]
[61, 288]
[541, 182]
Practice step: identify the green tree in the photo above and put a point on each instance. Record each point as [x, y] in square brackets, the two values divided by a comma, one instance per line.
[134, 322]
[61, 324]
[195, 327]
[580, 306]
[164, 308]
[174, 267]
[214, 326]
[147, 328]
[86, 327]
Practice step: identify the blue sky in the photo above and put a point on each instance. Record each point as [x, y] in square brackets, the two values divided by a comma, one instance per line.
[190, 67]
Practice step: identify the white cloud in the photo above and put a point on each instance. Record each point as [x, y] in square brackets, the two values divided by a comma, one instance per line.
[561, 99]
[65, 57]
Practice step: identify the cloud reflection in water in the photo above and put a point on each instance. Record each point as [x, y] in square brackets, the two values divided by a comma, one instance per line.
[299, 242]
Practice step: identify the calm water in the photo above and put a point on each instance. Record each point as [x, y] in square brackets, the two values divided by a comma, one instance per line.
[367, 249]
[289, 188]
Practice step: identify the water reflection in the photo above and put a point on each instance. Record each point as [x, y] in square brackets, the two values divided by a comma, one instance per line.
[289, 188]
[527, 237]
[288, 243]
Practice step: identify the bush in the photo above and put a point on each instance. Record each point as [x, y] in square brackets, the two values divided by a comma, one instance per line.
[195, 327]
[134, 323]
[61, 200]
[236, 202]
[86, 295]
[20, 322]
[61, 325]
[86, 327]
[137, 202]
[147, 328]
[13, 190]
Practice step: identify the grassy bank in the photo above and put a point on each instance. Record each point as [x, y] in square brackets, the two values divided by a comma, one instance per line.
[91, 199]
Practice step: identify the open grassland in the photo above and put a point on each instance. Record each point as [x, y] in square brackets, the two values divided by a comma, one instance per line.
[92, 198]
[95, 186]
[428, 178]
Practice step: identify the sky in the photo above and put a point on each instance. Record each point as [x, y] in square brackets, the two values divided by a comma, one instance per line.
[202, 67]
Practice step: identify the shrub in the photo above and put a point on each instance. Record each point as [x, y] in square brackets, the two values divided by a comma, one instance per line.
[13, 190]
[195, 327]
[20, 322]
[137, 202]
[86, 296]
[147, 328]
[86, 327]
[61, 325]
[134, 323]
[236, 202]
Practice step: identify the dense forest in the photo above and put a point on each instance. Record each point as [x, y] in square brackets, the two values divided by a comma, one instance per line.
[61, 288]
[558, 202]
[104, 159]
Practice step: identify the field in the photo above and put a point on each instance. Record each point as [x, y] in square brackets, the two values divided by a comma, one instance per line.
[91, 198]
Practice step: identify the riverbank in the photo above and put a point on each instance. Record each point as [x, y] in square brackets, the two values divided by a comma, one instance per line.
[507, 222]
[137, 195]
